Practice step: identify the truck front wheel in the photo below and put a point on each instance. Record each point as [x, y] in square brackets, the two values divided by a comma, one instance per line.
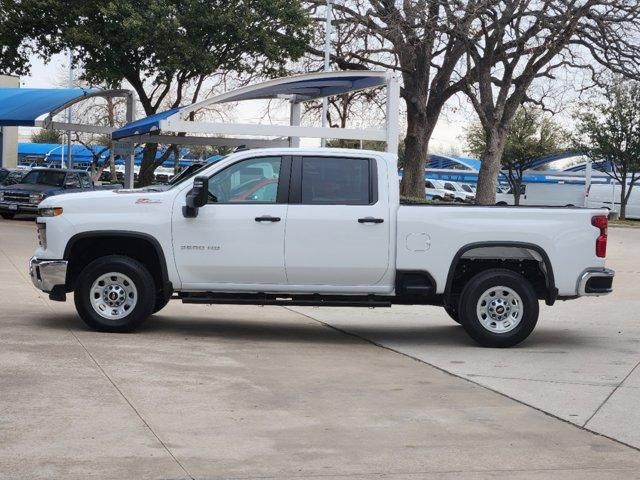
[115, 294]
[498, 308]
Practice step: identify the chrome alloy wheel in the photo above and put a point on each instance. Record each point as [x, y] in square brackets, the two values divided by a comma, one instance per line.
[113, 296]
[500, 309]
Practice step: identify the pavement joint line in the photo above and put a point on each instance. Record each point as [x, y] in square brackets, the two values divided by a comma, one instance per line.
[611, 394]
[104, 373]
[424, 362]
[560, 382]
[414, 473]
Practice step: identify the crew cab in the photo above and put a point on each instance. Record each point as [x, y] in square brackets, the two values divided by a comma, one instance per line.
[320, 227]
[41, 183]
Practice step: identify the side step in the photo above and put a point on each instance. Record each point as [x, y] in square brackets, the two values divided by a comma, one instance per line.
[314, 300]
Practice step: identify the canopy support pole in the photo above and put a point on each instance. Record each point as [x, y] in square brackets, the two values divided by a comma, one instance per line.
[296, 114]
[129, 161]
[393, 115]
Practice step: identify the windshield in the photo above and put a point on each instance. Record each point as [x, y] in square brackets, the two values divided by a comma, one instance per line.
[467, 188]
[190, 172]
[44, 177]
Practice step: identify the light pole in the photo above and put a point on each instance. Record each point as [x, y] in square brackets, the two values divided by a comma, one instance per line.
[327, 58]
[69, 115]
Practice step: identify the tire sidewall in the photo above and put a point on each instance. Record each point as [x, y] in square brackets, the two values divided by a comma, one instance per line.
[140, 277]
[469, 300]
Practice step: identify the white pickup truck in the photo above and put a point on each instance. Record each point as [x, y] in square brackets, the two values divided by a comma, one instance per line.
[321, 227]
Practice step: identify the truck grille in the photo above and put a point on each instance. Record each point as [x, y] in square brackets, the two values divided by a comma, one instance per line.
[16, 197]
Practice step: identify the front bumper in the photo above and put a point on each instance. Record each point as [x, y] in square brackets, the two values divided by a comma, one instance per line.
[18, 208]
[47, 274]
[596, 282]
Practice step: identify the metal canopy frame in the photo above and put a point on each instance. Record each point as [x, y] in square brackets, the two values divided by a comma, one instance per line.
[49, 123]
[298, 89]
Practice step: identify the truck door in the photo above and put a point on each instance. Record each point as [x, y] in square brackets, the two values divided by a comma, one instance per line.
[238, 237]
[338, 223]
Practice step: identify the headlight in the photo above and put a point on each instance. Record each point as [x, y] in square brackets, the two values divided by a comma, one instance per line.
[35, 198]
[1, 196]
[50, 212]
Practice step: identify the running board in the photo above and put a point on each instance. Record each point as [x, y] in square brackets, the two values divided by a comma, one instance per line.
[314, 300]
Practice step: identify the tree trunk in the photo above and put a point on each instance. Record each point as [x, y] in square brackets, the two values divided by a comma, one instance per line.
[147, 168]
[516, 195]
[416, 147]
[490, 167]
[623, 198]
[112, 165]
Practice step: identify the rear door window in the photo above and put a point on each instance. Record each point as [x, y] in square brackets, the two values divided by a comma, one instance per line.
[337, 181]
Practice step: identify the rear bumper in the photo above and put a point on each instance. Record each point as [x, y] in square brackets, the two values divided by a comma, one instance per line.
[596, 282]
[47, 274]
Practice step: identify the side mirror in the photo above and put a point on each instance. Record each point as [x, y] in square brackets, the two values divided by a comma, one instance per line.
[197, 197]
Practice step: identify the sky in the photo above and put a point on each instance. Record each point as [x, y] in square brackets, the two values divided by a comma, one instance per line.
[447, 137]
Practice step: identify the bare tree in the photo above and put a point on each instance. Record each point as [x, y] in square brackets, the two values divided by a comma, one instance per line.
[531, 136]
[523, 41]
[413, 37]
[608, 133]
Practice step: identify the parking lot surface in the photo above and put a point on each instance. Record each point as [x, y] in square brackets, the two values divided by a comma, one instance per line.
[581, 364]
[250, 392]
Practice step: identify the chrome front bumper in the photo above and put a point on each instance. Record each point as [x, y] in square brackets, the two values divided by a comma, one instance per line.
[596, 282]
[46, 274]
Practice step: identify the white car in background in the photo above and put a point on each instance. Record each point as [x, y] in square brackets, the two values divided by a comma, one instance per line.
[460, 193]
[434, 190]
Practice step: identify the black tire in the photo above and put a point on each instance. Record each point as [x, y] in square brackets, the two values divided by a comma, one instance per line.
[502, 204]
[452, 312]
[143, 284]
[8, 216]
[480, 285]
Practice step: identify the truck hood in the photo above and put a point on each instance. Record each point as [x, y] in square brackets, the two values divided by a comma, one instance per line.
[106, 201]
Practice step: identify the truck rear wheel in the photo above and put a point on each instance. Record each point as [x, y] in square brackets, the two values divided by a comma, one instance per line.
[115, 294]
[498, 308]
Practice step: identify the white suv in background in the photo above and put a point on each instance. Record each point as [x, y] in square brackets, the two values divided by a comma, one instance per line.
[434, 190]
[460, 193]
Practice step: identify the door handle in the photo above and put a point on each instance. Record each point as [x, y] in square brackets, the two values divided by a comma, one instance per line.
[370, 220]
[267, 218]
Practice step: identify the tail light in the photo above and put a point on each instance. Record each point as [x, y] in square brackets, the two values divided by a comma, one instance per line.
[601, 222]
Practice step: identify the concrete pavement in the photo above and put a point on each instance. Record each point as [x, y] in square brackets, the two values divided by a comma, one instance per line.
[580, 364]
[249, 392]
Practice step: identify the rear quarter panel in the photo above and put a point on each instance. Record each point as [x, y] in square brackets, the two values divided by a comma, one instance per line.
[565, 234]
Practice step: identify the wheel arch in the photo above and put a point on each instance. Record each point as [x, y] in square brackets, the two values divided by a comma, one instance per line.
[551, 292]
[154, 259]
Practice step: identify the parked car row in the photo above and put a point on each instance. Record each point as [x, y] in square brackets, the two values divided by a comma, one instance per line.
[448, 191]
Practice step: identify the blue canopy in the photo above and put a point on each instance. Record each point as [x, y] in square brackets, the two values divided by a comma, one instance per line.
[144, 125]
[52, 152]
[20, 107]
